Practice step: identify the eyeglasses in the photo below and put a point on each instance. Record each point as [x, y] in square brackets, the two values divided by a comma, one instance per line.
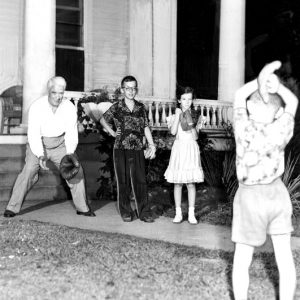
[130, 89]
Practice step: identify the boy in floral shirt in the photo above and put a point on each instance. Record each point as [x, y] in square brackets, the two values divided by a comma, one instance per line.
[263, 126]
[130, 119]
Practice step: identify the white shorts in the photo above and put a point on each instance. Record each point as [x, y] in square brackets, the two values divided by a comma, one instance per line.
[259, 210]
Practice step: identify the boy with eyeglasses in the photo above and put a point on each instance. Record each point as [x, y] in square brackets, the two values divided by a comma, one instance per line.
[130, 119]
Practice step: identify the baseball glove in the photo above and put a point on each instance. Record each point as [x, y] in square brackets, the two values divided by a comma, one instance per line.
[69, 166]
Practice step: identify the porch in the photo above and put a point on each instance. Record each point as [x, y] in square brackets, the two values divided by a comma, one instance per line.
[218, 113]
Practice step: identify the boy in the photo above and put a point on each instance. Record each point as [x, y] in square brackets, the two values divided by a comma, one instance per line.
[262, 204]
[130, 118]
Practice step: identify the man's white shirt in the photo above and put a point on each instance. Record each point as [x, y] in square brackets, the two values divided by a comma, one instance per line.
[42, 122]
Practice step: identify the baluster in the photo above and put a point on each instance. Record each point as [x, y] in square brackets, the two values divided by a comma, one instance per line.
[150, 116]
[163, 115]
[170, 110]
[196, 105]
[224, 113]
[202, 114]
[213, 120]
[157, 114]
[220, 121]
[208, 116]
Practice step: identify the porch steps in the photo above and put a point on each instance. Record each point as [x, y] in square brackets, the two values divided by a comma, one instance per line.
[50, 185]
[46, 178]
[38, 193]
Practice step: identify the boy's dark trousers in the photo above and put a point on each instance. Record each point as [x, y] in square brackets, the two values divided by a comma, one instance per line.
[130, 175]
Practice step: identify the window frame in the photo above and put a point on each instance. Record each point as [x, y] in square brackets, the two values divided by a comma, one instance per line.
[81, 25]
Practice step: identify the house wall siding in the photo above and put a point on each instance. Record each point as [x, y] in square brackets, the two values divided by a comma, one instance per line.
[11, 33]
[110, 42]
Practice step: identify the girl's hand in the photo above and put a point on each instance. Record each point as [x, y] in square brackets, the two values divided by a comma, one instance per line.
[178, 111]
[202, 120]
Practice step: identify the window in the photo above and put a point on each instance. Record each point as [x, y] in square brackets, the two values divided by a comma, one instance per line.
[69, 43]
[69, 23]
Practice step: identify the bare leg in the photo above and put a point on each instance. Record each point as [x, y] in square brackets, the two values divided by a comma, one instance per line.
[240, 274]
[286, 266]
[191, 196]
[177, 197]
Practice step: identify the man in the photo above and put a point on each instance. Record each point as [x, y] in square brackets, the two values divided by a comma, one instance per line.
[52, 133]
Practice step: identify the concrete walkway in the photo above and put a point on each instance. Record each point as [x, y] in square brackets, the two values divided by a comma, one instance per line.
[108, 220]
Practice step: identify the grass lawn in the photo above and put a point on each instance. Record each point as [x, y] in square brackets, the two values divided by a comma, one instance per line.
[211, 208]
[44, 261]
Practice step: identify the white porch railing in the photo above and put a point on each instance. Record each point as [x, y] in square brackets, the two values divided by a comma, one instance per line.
[217, 113]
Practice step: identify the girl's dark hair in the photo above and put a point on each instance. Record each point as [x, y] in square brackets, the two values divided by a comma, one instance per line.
[184, 90]
[128, 78]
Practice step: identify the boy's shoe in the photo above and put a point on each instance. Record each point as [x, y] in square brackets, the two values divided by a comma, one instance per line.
[127, 217]
[88, 213]
[192, 220]
[178, 219]
[9, 214]
[147, 219]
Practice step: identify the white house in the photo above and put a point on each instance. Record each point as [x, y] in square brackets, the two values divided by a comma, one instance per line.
[111, 38]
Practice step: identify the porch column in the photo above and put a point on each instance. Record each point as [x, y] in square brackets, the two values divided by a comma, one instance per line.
[141, 51]
[39, 52]
[232, 48]
[164, 48]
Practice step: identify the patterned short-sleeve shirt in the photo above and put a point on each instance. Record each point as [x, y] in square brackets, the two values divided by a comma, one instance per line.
[260, 147]
[131, 124]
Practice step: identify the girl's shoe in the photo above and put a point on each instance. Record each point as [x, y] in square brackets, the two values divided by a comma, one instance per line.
[192, 220]
[177, 219]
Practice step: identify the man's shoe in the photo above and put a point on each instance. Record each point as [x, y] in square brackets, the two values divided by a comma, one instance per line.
[86, 214]
[9, 214]
[147, 219]
[127, 217]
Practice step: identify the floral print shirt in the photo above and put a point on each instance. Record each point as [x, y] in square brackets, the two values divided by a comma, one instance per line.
[131, 124]
[260, 147]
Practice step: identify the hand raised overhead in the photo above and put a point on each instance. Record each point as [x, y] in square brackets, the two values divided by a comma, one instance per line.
[267, 80]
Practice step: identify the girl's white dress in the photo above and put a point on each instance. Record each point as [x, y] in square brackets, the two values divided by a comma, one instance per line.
[185, 163]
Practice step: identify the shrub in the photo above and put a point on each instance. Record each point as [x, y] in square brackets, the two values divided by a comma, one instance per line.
[292, 183]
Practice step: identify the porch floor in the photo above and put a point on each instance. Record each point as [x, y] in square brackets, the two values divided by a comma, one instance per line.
[108, 220]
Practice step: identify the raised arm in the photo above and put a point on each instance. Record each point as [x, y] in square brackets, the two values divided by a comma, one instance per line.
[243, 93]
[269, 83]
[289, 98]
[175, 124]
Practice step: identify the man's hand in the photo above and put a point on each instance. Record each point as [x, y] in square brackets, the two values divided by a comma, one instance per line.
[69, 166]
[42, 163]
[264, 78]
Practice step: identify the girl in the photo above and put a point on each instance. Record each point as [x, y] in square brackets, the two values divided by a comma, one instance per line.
[184, 165]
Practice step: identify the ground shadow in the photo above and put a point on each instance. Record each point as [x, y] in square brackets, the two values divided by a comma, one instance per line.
[269, 262]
